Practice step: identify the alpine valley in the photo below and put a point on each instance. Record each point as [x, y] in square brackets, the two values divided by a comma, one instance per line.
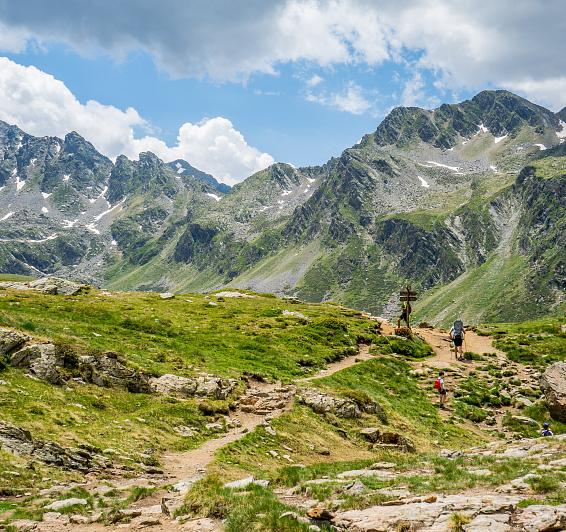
[466, 202]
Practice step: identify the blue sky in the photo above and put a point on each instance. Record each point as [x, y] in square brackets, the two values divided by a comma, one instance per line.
[252, 82]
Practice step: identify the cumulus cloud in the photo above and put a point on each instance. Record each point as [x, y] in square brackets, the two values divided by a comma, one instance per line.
[42, 105]
[314, 80]
[472, 44]
[350, 100]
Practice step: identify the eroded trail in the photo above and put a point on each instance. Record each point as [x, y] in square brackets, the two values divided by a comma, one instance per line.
[260, 403]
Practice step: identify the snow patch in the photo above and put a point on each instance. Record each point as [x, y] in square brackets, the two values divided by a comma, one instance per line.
[286, 192]
[310, 180]
[6, 216]
[424, 183]
[541, 146]
[482, 128]
[113, 243]
[57, 147]
[493, 168]
[19, 182]
[264, 208]
[102, 214]
[33, 161]
[46, 194]
[66, 177]
[499, 139]
[19, 144]
[432, 164]
[213, 196]
[44, 210]
[562, 133]
[31, 241]
[180, 170]
[280, 202]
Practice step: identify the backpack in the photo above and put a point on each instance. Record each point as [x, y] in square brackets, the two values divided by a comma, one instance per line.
[437, 384]
[458, 329]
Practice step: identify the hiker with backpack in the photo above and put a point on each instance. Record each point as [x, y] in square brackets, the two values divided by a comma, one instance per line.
[439, 385]
[457, 335]
[546, 430]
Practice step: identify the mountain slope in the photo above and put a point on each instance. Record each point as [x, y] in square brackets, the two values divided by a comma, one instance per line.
[461, 192]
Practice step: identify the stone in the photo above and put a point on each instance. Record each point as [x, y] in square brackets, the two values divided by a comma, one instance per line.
[525, 420]
[204, 524]
[320, 514]
[66, 503]
[43, 360]
[295, 517]
[294, 314]
[11, 340]
[322, 403]
[21, 442]
[24, 525]
[166, 295]
[553, 385]
[56, 285]
[417, 515]
[540, 518]
[522, 402]
[491, 522]
[108, 370]
[371, 434]
[245, 482]
[230, 294]
[200, 386]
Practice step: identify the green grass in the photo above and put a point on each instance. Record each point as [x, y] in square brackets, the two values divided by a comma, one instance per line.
[181, 336]
[537, 342]
[253, 508]
[187, 333]
[14, 277]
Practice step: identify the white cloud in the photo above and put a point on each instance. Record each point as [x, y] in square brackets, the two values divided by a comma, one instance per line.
[551, 91]
[350, 100]
[470, 44]
[315, 80]
[42, 105]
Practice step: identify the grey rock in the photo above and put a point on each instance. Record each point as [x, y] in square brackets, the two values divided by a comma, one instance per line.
[21, 442]
[11, 340]
[553, 384]
[525, 420]
[201, 386]
[245, 482]
[371, 434]
[108, 370]
[322, 403]
[166, 295]
[61, 505]
[56, 285]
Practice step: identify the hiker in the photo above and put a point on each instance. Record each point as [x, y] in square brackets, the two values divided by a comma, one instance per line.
[439, 385]
[546, 430]
[457, 335]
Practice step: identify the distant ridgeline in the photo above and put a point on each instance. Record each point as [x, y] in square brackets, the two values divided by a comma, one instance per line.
[465, 202]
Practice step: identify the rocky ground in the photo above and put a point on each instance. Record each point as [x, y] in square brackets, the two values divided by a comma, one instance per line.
[505, 485]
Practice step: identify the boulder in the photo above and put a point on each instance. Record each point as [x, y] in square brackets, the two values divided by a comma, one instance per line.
[371, 434]
[167, 295]
[553, 384]
[23, 358]
[201, 386]
[523, 420]
[55, 285]
[66, 503]
[322, 403]
[108, 370]
[11, 340]
[245, 482]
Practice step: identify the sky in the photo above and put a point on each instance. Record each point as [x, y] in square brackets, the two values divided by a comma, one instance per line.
[233, 85]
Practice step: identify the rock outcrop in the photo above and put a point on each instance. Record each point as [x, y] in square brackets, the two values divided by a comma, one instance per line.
[322, 403]
[11, 340]
[20, 441]
[200, 386]
[553, 384]
[48, 285]
[109, 370]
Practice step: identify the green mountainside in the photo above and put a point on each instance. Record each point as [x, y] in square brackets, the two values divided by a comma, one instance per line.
[465, 202]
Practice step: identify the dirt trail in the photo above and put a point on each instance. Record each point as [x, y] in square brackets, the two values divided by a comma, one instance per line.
[186, 467]
[440, 343]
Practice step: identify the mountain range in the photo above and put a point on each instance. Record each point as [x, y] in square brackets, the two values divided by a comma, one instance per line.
[466, 202]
